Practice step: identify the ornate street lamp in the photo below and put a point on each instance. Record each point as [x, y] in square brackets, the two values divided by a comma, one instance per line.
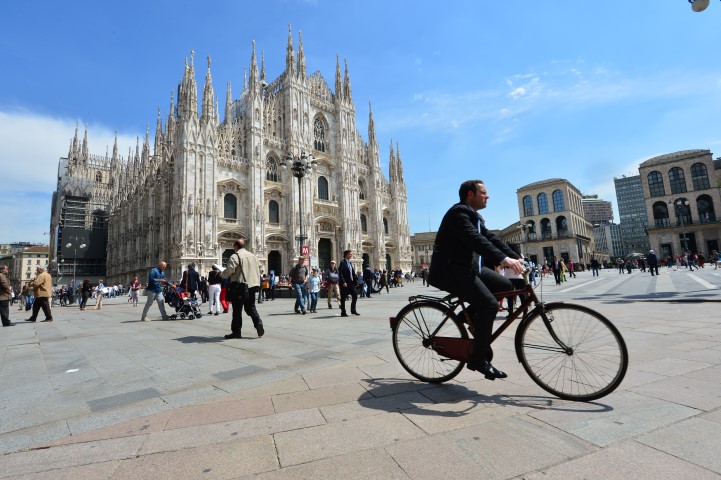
[299, 166]
[75, 243]
[682, 207]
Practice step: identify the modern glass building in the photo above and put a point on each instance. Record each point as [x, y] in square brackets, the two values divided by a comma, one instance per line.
[632, 213]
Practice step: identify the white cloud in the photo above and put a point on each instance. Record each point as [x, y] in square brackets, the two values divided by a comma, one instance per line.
[30, 146]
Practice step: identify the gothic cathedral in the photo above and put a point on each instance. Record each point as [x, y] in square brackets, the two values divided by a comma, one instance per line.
[208, 183]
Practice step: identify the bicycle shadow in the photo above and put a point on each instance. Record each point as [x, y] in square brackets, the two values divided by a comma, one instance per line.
[394, 395]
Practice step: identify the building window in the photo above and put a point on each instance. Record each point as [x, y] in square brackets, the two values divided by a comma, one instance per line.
[699, 176]
[655, 184]
[323, 188]
[558, 203]
[230, 206]
[364, 224]
[385, 226]
[562, 227]
[98, 176]
[706, 212]
[660, 215]
[677, 180]
[527, 206]
[271, 170]
[319, 135]
[273, 212]
[361, 190]
[542, 203]
[546, 230]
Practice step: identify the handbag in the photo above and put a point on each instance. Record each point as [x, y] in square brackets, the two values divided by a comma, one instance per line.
[237, 291]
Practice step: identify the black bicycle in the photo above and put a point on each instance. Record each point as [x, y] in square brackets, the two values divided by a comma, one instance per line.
[571, 351]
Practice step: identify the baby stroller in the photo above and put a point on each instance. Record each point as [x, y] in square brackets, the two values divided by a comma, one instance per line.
[186, 306]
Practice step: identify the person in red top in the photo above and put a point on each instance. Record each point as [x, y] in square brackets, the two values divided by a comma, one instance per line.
[134, 289]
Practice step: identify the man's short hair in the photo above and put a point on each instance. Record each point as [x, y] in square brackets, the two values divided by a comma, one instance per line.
[346, 252]
[240, 243]
[468, 186]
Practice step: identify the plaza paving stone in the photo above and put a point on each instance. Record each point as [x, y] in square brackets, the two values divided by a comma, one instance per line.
[100, 395]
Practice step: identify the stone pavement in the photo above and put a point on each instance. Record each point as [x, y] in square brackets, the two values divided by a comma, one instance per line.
[100, 395]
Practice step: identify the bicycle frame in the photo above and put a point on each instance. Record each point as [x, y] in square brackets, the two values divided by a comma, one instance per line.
[460, 348]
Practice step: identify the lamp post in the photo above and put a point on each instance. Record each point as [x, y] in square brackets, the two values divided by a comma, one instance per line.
[524, 236]
[682, 206]
[299, 166]
[75, 243]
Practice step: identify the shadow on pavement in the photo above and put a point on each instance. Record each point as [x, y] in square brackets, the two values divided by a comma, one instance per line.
[197, 339]
[384, 389]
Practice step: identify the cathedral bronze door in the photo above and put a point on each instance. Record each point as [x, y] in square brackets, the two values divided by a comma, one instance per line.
[275, 262]
[325, 253]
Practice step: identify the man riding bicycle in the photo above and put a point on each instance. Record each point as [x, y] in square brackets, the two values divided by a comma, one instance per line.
[456, 268]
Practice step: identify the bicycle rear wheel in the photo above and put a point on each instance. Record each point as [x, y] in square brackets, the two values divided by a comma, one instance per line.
[412, 341]
[594, 363]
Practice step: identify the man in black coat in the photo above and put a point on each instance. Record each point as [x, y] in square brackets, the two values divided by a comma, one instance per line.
[348, 279]
[455, 268]
[191, 280]
[652, 260]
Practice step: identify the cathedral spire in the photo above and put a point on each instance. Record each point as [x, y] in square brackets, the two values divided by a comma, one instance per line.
[188, 91]
[253, 69]
[301, 56]
[338, 79]
[346, 84]
[371, 126]
[85, 144]
[245, 79]
[228, 104]
[115, 147]
[290, 56]
[208, 114]
[158, 135]
[262, 69]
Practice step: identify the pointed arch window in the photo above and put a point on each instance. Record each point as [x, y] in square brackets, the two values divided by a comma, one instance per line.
[385, 225]
[230, 206]
[273, 212]
[98, 176]
[361, 190]
[655, 184]
[271, 170]
[364, 223]
[542, 203]
[319, 135]
[527, 206]
[323, 188]
[699, 176]
[677, 180]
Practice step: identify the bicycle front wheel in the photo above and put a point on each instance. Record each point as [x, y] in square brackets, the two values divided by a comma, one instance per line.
[412, 342]
[591, 366]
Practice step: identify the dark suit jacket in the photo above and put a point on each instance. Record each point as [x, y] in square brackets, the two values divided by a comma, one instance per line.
[456, 242]
[346, 275]
[191, 278]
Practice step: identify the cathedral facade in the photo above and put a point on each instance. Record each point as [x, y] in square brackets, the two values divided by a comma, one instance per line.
[205, 182]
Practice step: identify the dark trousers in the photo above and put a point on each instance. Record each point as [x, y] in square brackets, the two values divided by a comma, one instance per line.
[478, 291]
[248, 304]
[557, 276]
[653, 268]
[44, 303]
[349, 290]
[5, 311]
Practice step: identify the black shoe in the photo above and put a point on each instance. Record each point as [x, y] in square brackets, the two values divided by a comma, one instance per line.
[47, 320]
[303, 312]
[344, 314]
[233, 335]
[259, 328]
[355, 313]
[214, 313]
[30, 320]
[11, 324]
[488, 370]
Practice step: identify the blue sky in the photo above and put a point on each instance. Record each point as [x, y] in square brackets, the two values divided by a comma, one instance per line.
[509, 92]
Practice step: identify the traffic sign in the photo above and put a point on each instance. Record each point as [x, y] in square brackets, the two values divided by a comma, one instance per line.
[304, 250]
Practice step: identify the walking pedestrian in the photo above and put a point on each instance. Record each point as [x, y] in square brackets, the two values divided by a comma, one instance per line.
[85, 292]
[5, 297]
[332, 278]
[214, 291]
[156, 279]
[134, 290]
[243, 267]
[43, 289]
[652, 261]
